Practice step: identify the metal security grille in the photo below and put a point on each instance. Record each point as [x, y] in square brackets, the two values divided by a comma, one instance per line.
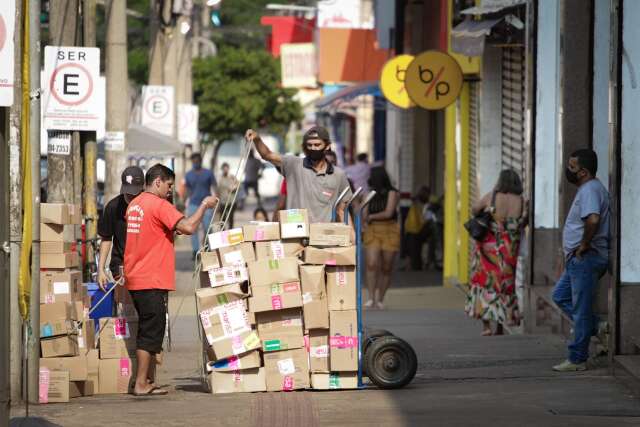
[474, 141]
[513, 110]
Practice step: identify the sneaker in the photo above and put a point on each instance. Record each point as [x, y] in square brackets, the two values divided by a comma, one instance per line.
[368, 304]
[380, 306]
[568, 366]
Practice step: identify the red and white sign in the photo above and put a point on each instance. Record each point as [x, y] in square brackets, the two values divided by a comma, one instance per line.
[158, 111]
[7, 26]
[187, 123]
[298, 62]
[345, 14]
[72, 98]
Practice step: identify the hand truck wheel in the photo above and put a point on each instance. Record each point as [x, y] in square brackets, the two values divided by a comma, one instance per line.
[390, 362]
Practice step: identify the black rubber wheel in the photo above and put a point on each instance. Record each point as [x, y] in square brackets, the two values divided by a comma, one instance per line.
[370, 335]
[390, 362]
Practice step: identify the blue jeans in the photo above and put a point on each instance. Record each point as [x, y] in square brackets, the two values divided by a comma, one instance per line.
[574, 294]
[196, 238]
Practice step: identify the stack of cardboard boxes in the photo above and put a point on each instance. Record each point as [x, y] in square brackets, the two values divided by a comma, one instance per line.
[68, 367]
[273, 321]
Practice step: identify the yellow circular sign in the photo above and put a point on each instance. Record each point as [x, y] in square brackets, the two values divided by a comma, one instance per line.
[434, 80]
[392, 81]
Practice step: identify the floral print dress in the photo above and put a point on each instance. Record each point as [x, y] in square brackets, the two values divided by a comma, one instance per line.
[492, 295]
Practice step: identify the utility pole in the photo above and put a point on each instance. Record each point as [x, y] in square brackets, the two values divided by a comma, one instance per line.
[117, 88]
[89, 139]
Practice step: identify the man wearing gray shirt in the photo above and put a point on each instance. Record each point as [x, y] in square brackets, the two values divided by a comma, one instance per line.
[313, 183]
[585, 241]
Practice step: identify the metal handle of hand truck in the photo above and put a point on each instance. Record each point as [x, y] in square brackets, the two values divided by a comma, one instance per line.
[367, 200]
[337, 202]
[349, 202]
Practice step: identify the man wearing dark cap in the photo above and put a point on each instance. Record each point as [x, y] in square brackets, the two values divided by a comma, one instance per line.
[112, 225]
[313, 183]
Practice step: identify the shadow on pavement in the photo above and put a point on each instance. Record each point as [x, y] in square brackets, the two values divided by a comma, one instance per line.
[31, 422]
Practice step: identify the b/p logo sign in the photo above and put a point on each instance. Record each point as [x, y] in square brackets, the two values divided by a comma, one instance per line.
[433, 80]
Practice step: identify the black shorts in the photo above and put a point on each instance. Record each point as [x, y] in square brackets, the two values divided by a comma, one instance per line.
[151, 306]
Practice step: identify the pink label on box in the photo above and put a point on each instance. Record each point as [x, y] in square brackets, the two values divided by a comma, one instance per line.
[125, 369]
[331, 262]
[43, 385]
[277, 249]
[237, 376]
[306, 342]
[234, 362]
[276, 302]
[287, 383]
[49, 299]
[342, 278]
[291, 287]
[237, 345]
[120, 328]
[258, 235]
[343, 342]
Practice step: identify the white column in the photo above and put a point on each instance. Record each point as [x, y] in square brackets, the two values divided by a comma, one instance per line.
[601, 41]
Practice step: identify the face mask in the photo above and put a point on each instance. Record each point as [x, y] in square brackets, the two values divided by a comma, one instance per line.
[571, 176]
[315, 155]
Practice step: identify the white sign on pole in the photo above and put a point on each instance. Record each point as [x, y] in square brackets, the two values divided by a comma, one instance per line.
[298, 63]
[158, 109]
[71, 100]
[7, 26]
[114, 141]
[187, 123]
[345, 14]
[59, 143]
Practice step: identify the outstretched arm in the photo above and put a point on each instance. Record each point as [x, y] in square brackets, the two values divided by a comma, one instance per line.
[268, 155]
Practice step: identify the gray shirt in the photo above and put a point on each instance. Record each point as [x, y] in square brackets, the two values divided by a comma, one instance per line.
[592, 198]
[307, 189]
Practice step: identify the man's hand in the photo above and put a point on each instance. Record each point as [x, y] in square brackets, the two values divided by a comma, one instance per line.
[264, 151]
[102, 280]
[210, 202]
[252, 136]
[584, 247]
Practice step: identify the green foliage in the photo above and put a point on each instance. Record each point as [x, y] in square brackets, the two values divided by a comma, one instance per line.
[240, 89]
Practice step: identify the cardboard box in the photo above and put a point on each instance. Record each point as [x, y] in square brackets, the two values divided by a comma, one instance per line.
[239, 381]
[227, 329]
[66, 260]
[62, 346]
[116, 375]
[56, 233]
[247, 360]
[343, 341]
[80, 310]
[268, 271]
[281, 329]
[341, 288]
[81, 388]
[314, 297]
[60, 213]
[117, 338]
[57, 247]
[77, 366]
[330, 256]
[278, 249]
[334, 381]
[86, 336]
[236, 273]
[317, 343]
[60, 286]
[261, 231]
[330, 234]
[209, 260]
[93, 369]
[294, 223]
[220, 295]
[241, 253]
[225, 238]
[287, 370]
[53, 386]
[277, 296]
[57, 319]
[56, 328]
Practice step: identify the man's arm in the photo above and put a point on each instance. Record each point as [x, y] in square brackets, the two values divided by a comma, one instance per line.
[190, 225]
[105, 250]
[591, 224]
[268, 155]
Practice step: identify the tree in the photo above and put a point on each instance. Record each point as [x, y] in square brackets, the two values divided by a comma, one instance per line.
[240, 89]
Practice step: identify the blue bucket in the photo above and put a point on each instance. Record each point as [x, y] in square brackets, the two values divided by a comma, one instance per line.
[106, 307]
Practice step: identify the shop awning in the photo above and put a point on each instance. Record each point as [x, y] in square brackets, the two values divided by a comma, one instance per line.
[468, 37]
[492, 6]
[142, 140]
[345, 96]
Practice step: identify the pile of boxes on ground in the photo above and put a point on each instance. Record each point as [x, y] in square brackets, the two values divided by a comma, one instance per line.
[71, 364]
[277, 305]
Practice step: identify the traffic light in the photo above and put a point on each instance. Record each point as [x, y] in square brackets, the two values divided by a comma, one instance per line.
[215, 18]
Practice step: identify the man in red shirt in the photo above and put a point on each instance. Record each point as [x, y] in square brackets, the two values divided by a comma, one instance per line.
[149, 264]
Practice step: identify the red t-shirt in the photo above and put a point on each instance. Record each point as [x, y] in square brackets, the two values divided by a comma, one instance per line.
[149, 258]
[283, 187]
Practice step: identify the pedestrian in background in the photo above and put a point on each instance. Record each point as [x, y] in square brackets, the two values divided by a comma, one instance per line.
[227, 184]
[260, 214]
[413, 229]
[492, 295]
[585, 241]
[358, 173]
[381, 236]
[200, 183]
[252, 174]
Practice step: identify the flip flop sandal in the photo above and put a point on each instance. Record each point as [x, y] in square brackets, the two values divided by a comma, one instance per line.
[154, 391]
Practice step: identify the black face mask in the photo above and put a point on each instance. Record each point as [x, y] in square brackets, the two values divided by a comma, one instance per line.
[571, 176]
[315, 155]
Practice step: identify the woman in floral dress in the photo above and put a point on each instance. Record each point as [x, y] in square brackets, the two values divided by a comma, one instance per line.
[492, 296]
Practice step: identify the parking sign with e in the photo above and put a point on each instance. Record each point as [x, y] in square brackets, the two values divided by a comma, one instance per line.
[158, 111]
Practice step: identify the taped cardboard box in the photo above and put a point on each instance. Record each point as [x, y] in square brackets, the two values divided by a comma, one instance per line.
[236, 273]
[278, 249]
[81, 388]
[277, 296]
[57, 247]
[53, 386]
[330, 256]
[281, 329]
[86, 335]
[57, 319]
[330, 234]
[220, 295]
[261, 231]
[334, 381]
[268, 271]
[65, 260]
[247, 360]
[56, 233]
[93, 369]
[60, 213]
[317, 344]
[77, 366]
[116, 375]
[225, 238]
[287, 370]
[343, 341]
[341, 288]
[314, 297]
[61, 346]
[209, 260]
[117, 337]
[238, 381]
[294, 223]
[60, 286]
[241, 253]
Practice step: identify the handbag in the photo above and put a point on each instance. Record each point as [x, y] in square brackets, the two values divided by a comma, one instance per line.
[478, 225]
